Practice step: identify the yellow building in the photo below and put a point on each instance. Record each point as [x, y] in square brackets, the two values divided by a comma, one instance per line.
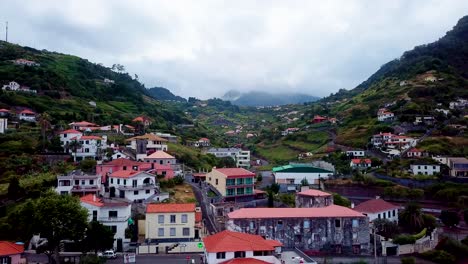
[235, 184]
[171, 222]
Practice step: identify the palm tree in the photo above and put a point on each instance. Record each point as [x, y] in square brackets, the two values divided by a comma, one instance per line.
[74, 145]
[412, 217]
[44, 122]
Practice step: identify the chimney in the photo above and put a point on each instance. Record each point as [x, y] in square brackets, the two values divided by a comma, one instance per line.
[352, 205]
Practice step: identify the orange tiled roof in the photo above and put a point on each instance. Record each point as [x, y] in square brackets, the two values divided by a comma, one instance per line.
[375, 206]
[170, 208]
[159, 154]
[70, 131]
[9, 248]
[232, 172]
[316, 212]
[312, 192]
[228, 241]
[358, 161]
[92, 200]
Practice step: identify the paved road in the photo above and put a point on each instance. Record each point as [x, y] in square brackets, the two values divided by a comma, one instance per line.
[200, 195]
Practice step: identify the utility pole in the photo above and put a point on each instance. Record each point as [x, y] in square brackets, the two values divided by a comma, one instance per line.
[6, 32]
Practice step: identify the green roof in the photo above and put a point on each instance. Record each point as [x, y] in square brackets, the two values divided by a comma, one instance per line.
[300, 168]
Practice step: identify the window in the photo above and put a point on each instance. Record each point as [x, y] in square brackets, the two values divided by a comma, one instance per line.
[83, 182]
[112, 180]
[433, 167]
[354, 236]
[112, 214]
[220, 255]
[355, 223]
[161, 232]
[172, 231]
[113, 229]
[161, 219]
[239, 254]
[378, 216]
[135, 192]
[173, 219]
[118, 181]
[230, 182]
[147, 191]
[240, 181]
[248, 180]
[186, 231]
[125, 182]
[216, 181]
[94, 215]
[394, 213]
[356, 249]
[124, 168]
[388, 214]
[91, 182]
[280, 222]
[248, 190]
[184, 218]
[86, 150]
[306, 224]
[337, 223]
[230, 192]
[240, 191]
[77, 182]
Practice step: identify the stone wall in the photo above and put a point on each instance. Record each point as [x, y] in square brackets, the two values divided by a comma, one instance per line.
[307, 201]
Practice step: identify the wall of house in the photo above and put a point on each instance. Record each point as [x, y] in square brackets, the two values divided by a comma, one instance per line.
[425, 169]
[220, 185]
[140, 192]
[307, 201]
[152, 226]
[309, 233]
[161, 161]
[391, 215]
[312, 178]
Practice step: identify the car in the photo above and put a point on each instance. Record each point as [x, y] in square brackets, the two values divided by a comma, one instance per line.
[108, 254]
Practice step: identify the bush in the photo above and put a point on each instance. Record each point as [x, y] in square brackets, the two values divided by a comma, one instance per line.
[438, 256]
[404, 239]
[453, 247]
[340, 200]
[408, 260]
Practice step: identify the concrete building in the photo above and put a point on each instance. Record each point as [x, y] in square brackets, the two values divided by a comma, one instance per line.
[293, 174]
[78, 183]
[458, 167]
[235, 247]
[235, 184]
[170, 222]
[133, 185]
[10, 253]
[146, 144]
[162, 158]
[424, 169]
[360, 164]
[356, 153]
[242, 157]
[3, 125]
[112, 213]
[378, 209]
[27, 115]
[89, 147]
[313, 198]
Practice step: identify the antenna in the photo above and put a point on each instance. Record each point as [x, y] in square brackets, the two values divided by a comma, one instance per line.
[6, 32]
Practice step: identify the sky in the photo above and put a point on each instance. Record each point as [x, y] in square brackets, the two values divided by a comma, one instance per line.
[206, 48]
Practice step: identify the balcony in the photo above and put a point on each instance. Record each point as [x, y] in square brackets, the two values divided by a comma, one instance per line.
[113, 219]
[137, 187]
[89, 188]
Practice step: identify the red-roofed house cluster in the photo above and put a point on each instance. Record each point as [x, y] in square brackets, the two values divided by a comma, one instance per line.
[82, 146]
[393, 143]
[384, 115]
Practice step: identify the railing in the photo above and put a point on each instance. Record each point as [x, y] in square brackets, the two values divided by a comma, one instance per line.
[137, 187]
[112, 219]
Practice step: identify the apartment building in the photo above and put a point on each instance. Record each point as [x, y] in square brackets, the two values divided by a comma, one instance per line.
[235, 184]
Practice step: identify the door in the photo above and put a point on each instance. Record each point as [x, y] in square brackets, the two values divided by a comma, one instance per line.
[122, 194]
[197, 233]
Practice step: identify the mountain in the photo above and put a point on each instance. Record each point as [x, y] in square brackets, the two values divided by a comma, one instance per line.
[257, 98]
[65, 85]
[163, 94]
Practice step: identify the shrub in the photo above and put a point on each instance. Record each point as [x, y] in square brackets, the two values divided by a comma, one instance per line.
[438, 256]
[404, 239]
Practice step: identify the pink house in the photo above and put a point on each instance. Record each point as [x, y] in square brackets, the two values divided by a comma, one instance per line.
[122, 164]
[10, 252]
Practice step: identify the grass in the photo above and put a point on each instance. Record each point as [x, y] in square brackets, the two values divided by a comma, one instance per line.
[182, 194]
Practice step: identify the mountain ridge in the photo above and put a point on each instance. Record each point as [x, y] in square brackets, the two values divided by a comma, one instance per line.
[261, 98]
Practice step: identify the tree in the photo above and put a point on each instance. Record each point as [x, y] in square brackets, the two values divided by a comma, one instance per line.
[259, 177]
[449, 218]
[88, 165]
[98, 237]
[14, 188]
[412, 217]
[55, 217]
[386, 228]
[340, 200]
[304, 182]
[74, 145]
[274, 187]
[44, 123]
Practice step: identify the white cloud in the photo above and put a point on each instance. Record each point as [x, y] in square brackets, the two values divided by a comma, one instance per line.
[204, 48]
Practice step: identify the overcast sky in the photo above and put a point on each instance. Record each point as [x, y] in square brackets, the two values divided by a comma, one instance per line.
[205, 48]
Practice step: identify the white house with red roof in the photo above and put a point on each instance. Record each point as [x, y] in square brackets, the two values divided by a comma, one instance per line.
[240, 248]
[235, 184]
[25, 62]
[90, 147]
[360, 163]
[67, 135]
[79, 183]
[82, 125]
[202, 142]
[384, 115]
[289, 130]
[27, 115]
[162, 158]
[10, 253]
[112, 213]
[378, 209]
[171, 222]
[134, 186]
[414, 153]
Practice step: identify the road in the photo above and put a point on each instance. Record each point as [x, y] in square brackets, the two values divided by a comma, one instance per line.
[200, 195]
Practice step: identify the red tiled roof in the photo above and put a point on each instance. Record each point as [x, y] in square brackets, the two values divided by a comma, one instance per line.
[198, 217]
[244, 261]
[204, 139]
[141, 119]
[125, 174]
[123, 162]
[27, 111]
[233, 172]
[96, 201]
[83, 124]
[170, 208]
[229, 241]
[415, 150]
[312, 192]
[8, 248]
[91, 137]
[159, 154]
[358, 161]
[316, 212]
[148, 137]
[199, 175]
[70, 131]
[3, 110]
[375, 206]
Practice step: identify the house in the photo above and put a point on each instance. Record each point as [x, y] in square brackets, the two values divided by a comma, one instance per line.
[10, 253]
[89, 147]
[242, 157]
[122, 164]
[147, 144]
[78, 183]
[403, 83]
[171, 222]
[441, 110]
[414, 153]
[384, 115]
[4, 112]
[424, 169]
[134, 185]
[3, 125]
[118, 154]
[319, 119]
[14, 86]
[360, 163]
[294, 174]
[379, 139]
[458, 166]
[167, 136]
[67, 135]
[313, 198]
[108, 81]
[400, 142]
[162, 158]
[289, 130]
[458, 104]
[235, 184]
[355, 153]
[430, 78]
[82, 126]
[27, 115]
[203, 142]
[333, 120]
[25, 62]
[236, 247]
[424, 120]
[378, 209]
[331, 228]
[146, 121]
[112, 213]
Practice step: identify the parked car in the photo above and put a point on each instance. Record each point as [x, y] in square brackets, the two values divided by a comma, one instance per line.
[108, 254]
